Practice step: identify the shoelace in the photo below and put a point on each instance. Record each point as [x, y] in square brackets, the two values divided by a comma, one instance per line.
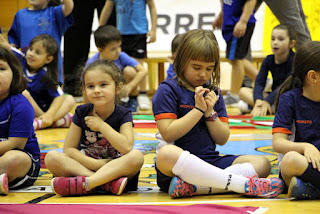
[261, 185]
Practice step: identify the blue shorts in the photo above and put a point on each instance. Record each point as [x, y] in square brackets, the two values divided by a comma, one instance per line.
[221, 162]
[30, 177]
[237, 48]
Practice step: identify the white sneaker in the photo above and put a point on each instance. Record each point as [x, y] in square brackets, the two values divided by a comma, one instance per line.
[144, 102]
[243, 106]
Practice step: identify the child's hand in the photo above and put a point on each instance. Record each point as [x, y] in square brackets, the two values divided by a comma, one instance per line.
[199, 99]
[47, 120]
[94, 122]
[151, 36]
[261, 108]
[211, 99]
[313, 155]
[240, 29]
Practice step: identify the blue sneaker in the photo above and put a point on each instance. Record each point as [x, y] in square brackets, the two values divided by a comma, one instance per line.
[178, 188]
[301, 190]
[133, 105]
[263, 187]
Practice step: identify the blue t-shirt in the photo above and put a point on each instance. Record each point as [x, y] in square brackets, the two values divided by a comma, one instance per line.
[299, 117]
[232, 11]
[280, 72]
[123, 60]
[92, 143]
[40, 92]
[16, 120]
[28, 24]
[172, 101]
[170, 72]
[131, 16]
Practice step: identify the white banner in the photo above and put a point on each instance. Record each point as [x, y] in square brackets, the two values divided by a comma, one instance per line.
[179, 16]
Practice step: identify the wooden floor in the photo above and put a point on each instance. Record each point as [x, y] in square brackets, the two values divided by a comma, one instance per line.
[257, 140]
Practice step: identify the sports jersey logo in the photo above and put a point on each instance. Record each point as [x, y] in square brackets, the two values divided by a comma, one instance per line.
[304, 121]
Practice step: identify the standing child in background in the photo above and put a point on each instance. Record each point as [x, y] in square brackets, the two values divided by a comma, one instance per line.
[174, 49]
[108, 41]
[295, 129]
[190, 113]
[50, 104]
[19, 149]
[98, 146]
[237, 21]
[42, 17]
[133, 25]
[283, 39]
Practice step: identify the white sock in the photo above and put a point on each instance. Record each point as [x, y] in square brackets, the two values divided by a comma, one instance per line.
[244, 169]
[195, 171]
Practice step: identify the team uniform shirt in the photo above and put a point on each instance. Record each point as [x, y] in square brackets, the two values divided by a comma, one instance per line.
[232, 11]
[170, 72]
[28, 24]
[280, 72]
[38, 89]
[16, 120]
[172, 101]
[131, 16]
[94, 144]
[298, 117]
[123, 60]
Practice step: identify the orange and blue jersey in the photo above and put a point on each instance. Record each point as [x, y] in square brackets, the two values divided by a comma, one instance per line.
[298, 117]
[172, 101]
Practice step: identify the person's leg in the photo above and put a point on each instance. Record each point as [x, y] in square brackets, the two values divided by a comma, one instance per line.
[237, 76]
[290, 12]
[173, 161]
[67, 105]
[246, 94]
[128, 74]
[76, 55]
[250, 70]
[303, 180]
[15, 163]
[127, 165]
[260, 164]
[61, 165]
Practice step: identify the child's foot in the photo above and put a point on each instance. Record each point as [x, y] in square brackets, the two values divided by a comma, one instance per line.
[144, 102]
[4, 187]
[63, 122]
[302, 190]
[69, 186]
[178, 188]
[263, 187]
[37, 124]
[116, 186]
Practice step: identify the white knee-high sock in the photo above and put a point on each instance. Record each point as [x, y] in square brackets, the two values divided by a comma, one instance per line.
[244, 169]
[195, 171]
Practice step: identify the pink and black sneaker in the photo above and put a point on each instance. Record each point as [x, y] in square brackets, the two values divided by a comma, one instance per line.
[116, 186]
[69, 186]
[263, 187]
[4, 186]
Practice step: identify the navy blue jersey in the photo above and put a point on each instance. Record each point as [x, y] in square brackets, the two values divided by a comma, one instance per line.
[299, 117]
[172, 101]
[280, 72]
[92, 143]
[16, 120]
